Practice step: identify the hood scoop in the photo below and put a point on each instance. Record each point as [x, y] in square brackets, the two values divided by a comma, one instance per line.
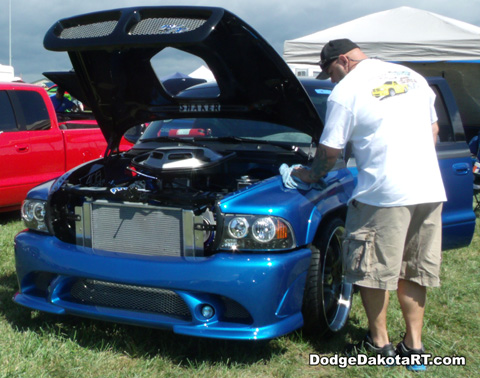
[180, 160]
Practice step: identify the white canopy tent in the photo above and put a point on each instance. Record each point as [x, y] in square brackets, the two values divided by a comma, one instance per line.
[203, 72]
[7, 74]
[432, 44]
[403, 34]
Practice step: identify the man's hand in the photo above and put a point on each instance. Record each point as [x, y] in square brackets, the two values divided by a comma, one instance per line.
[303, 174]
[325, 159]
[286, 173]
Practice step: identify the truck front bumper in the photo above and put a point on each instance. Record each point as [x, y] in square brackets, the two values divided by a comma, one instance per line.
[226, 296]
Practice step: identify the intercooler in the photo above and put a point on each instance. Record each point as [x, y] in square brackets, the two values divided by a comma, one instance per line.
[138, 229]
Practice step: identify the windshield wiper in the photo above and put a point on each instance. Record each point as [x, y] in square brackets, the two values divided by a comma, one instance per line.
[200, 141]
[286, 146]
[171, 139]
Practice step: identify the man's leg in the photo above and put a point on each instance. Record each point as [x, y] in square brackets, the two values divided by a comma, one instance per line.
[373, 251]
[412, 298]
[420, 268]
[375, 303]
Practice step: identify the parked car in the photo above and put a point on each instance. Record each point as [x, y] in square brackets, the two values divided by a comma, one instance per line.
[197, 233]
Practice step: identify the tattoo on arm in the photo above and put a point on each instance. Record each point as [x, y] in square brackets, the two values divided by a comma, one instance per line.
[322, 163]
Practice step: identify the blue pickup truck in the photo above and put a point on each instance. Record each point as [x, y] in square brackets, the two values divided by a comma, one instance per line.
[192, 230]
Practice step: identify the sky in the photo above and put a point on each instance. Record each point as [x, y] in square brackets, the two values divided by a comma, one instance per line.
[275, 20]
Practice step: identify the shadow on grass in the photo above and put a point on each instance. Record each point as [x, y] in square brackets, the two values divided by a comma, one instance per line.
[136, 342]
[8, 217]
[333, 343]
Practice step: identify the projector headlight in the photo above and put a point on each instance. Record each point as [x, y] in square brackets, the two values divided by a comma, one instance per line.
[238, 227]
[33, 214]
[264, 230]
[256, 232]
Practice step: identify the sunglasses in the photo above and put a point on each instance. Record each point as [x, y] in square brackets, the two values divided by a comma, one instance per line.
[324, 64]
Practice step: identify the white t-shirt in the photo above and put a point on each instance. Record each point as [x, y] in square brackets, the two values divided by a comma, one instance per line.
[386, 110]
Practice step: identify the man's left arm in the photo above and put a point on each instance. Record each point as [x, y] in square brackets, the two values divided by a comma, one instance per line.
[324, 160]
[435, 130]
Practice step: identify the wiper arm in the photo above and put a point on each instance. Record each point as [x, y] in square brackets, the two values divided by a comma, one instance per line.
[285, 146]
[170, 139]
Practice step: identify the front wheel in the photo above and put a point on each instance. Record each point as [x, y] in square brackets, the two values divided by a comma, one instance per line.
[327, 298]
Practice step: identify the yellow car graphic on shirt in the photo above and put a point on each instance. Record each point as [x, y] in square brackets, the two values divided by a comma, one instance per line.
[390, 88]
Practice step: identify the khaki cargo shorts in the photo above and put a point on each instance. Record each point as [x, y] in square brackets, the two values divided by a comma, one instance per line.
[385, 244]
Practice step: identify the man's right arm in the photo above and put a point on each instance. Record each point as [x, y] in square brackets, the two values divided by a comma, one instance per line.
[324, 160]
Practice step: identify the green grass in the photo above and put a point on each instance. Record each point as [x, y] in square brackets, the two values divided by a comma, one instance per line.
[34, 344]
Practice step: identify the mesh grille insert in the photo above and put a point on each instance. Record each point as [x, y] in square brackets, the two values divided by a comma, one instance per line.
[159, 26]
[95, 30]
[130, 297]
[235, 312]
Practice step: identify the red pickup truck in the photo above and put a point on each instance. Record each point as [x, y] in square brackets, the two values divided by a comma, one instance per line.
[36, 145]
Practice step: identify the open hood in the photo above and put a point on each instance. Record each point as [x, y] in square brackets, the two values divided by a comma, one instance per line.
[68, 80]
[111, 52]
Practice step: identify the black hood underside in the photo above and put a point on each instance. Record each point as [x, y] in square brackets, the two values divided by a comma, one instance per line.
[111, 53]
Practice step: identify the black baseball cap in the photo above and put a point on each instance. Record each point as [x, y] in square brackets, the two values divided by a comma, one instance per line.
[331, 51]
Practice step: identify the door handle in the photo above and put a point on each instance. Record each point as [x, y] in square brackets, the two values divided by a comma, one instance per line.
[461, 168]
[22, 148]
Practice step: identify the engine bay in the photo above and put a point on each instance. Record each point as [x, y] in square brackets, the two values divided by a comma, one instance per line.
[187, 177]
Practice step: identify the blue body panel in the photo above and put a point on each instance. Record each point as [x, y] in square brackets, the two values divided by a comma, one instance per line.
[458, 218]
[304, 210]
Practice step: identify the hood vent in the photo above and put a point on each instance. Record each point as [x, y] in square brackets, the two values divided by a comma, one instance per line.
[95, 30]
[159, 26]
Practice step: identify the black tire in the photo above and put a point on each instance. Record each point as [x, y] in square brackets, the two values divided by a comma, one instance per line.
[392, 92]
[327, 298]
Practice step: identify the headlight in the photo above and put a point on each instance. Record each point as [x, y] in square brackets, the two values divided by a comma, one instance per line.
[33, 214]
[264, 230]
[255, 232]
[238, 227]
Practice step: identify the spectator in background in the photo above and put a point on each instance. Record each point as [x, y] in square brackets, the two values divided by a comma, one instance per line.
[61, 103]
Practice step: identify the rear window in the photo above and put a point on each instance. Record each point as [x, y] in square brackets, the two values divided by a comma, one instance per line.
[31, 110]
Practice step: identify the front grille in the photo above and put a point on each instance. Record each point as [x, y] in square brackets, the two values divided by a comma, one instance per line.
[164, 25]
[235, 312]
[94, 30]
[130, 297]
[142, 230]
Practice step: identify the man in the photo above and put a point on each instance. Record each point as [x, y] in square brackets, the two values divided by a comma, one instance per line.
[393, 226]
[61, 103]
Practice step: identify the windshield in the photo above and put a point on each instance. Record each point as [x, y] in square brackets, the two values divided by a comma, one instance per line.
[214, 128]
